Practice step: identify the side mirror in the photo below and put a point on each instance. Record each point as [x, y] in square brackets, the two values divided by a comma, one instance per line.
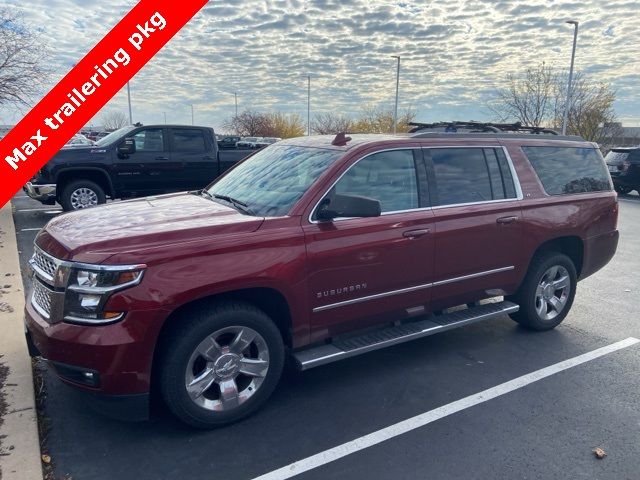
[348, 206]
[127, 147]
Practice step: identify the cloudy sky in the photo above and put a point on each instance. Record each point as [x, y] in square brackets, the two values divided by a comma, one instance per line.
[454, 54]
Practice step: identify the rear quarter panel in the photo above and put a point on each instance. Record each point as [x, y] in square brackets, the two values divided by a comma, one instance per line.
[590, 216]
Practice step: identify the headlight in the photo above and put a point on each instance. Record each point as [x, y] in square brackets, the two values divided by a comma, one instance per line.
[89, 288]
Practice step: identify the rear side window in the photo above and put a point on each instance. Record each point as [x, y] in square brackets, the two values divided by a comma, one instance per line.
[188, 140]
[564, 170]
[471, 175]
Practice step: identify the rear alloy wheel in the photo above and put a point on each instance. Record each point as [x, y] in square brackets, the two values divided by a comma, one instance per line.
[220, 364]
[552, 293]
[547, 293]
[82, 194]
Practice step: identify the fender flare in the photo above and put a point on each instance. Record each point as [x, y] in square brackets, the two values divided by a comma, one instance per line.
[102, 171]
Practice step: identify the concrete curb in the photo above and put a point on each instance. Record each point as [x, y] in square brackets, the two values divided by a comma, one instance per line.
[20, 446]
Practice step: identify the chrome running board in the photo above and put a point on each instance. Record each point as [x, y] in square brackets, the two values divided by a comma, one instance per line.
[386, 337]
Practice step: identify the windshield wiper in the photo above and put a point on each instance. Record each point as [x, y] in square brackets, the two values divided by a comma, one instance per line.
[243, 207]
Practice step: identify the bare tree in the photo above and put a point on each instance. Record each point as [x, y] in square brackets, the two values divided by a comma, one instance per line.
[538, 98]
[22, 60]
[276, 124]
[378, 120]
[285, 125]
[591, 113]
[331, 123]
[114, 119]
[529, 99]
[248, 124]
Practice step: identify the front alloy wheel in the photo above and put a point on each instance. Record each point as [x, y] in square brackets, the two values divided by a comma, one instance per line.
[227, 368]
[83, 197]
[219, 362]
[81, 194]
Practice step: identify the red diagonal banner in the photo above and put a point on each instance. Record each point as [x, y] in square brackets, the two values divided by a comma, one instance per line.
[88, 87]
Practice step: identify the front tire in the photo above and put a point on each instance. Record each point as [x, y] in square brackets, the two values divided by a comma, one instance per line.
[81, 194]
[547, 293]
[221, 364]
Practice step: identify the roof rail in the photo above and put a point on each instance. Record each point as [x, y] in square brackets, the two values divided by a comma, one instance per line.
[481, 127]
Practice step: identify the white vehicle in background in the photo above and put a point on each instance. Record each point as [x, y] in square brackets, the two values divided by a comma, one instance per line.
[78, 140]
[249, 142]
[266, 141]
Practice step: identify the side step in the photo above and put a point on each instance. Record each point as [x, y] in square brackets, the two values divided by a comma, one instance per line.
[367, 342]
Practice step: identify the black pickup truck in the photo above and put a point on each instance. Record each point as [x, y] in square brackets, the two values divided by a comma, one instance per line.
[133, 161]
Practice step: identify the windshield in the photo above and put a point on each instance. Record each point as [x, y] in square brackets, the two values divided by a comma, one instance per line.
[113, 136]
[270, 182]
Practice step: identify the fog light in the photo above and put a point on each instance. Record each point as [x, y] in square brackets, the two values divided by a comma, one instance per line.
[90, 301]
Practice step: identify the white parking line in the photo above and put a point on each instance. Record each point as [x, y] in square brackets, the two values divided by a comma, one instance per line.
[45, 209]
[30, 229]
[423, 419]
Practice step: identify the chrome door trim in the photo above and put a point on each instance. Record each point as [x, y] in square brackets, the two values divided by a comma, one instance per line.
[472, 275]
[372, 297]
[410, 289]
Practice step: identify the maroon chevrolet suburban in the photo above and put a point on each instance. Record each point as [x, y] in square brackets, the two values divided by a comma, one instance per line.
[321, 248]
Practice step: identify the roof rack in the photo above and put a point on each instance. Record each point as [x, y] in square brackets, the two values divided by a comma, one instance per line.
[481, 127]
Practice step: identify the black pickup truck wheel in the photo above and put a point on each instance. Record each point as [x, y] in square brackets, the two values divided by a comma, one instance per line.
[81, 194]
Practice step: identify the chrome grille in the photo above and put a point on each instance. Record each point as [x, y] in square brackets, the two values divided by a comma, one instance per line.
[41, 299]
[44, 263]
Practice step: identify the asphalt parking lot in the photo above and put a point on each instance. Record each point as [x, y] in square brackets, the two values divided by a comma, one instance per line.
[546, 429]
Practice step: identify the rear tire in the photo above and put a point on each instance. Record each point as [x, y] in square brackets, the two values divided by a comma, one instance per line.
[547, 293]
[220, 364]
[81, 194]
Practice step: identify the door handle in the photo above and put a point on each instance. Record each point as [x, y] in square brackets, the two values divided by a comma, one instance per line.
[506, 220]
[162, 158]
[416, 233]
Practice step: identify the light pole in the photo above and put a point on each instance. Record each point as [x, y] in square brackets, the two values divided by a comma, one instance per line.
[235, 119]
[308, 105]
[395, 111]
[567, 104]
[192, 115]
[129, 98]
[165, 117]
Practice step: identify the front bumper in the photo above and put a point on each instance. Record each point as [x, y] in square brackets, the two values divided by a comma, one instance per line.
[43, 193]
[119, 354]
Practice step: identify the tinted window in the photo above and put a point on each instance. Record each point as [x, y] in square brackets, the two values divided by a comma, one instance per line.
[389, 177]
[461, 175]
[188, 140]
[273, 180]
[149, 140]
[569, 170]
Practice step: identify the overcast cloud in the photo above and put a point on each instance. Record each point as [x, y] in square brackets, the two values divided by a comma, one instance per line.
[454, 54]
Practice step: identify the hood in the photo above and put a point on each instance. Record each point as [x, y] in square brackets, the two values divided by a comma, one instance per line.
[145, 222]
